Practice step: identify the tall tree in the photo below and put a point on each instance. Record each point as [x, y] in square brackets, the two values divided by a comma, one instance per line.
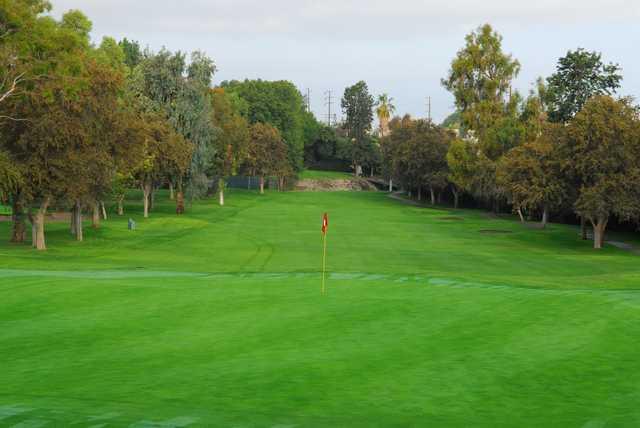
[357, 105]
[604, 140]
[480, 79]
[232, 140]
[579, 76]
[182, 93]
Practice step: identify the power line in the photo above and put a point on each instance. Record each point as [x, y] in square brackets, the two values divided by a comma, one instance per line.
[329, 103]
[308, 100]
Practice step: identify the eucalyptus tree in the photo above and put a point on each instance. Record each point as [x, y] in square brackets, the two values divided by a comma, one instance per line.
[192, 117]
[232, 140]
[181, 92]
[480, 80]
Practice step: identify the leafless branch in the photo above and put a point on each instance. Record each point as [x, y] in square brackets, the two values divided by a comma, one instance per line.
[13, 87]
[14, 119]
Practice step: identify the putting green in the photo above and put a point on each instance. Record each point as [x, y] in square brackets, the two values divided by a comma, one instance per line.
[215, 318]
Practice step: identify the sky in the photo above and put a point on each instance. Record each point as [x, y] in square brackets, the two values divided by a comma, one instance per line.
[399, 47]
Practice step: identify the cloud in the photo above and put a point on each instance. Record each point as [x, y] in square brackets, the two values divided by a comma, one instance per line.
[402, 47]
[331, 19]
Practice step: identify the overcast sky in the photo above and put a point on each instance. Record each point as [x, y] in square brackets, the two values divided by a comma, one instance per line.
[401, 47]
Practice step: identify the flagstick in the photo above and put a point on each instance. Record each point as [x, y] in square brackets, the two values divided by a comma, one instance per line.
[324, 258]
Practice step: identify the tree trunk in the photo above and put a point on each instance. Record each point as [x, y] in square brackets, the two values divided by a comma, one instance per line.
[390, 185]
[179, 197]
[37, 226]
[598, 232]
[249, 183]
[104, 210]
[171, 194]
[455, 198]
[72, 222]
[152, 198]
[221, 191]
[262, 185]
[419, 193]
[371, 171]
[34, 230]
[19, 228]
[77, 220]
[433, 196]
[520, 215]
[146, 192]
[95, 218]
[583, 228]
[120, 205]
[439, 198]
[545, 217]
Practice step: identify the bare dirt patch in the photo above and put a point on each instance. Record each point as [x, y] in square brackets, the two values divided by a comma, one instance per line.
[334, 185]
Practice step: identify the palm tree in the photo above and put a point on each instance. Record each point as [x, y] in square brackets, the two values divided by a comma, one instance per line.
[384, 110]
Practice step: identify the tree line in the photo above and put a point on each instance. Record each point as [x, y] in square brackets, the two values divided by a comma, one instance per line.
[569, 147]
[81, 124]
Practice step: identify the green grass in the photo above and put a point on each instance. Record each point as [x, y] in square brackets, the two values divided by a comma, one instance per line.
[324, 175]
[5, 210]
[215, 318]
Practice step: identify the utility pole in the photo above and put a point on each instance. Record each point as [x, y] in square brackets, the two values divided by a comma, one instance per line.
[328, 103]
[429, 108]
[308, 100]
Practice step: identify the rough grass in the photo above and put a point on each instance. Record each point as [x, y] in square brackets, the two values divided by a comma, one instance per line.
[319, 175]
[215, 318]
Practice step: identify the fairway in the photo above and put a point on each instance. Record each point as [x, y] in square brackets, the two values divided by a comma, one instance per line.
[432, 317]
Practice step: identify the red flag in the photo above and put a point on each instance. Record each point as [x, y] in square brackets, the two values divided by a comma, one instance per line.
[325, 223]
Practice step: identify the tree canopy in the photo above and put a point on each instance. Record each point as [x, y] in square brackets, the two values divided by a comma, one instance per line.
[579, 76]
[277, 103]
